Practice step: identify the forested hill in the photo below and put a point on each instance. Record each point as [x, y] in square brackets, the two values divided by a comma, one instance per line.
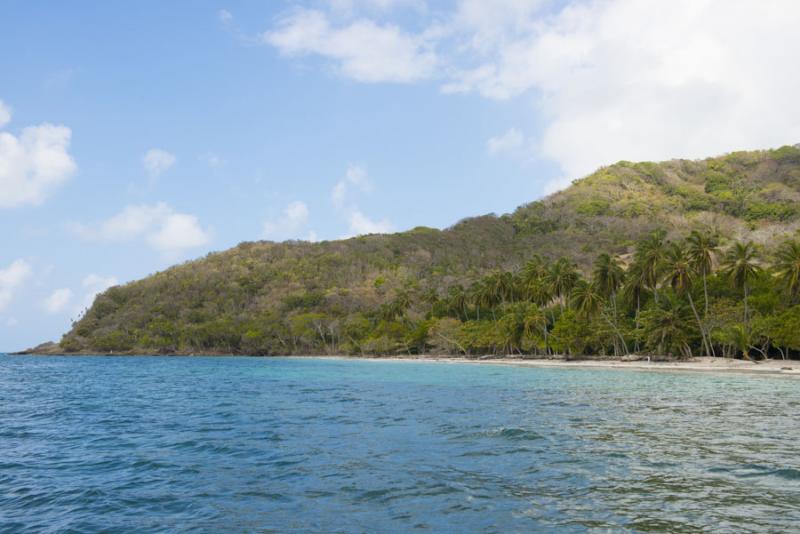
[397, 292]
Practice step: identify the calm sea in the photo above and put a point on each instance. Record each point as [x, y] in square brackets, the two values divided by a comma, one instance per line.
[126, 444]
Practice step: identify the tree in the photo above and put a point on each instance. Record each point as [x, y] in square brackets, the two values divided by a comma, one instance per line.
[787, 267]
[480, 295]
[667, 327]
[586, 299]
[534, 281]
[634, 289]
[701, 251]
[608, 277]
[534, 320]
[570, 334]
[678, 273]
[590, 303]
[784, 330]
[457, 302]
[741, 267]
[650, 254]
[562, 277]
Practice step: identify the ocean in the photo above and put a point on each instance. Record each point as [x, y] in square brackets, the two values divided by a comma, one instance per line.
[230, 444]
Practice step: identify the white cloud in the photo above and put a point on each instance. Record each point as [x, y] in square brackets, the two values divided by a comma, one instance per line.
[225, 16]
[355, 176]
[703, 78]
[159, 225]
[11, 322]
[339, 193]
[211, 159]
[360, 224]
[350, 7]
[611, 80]
[362, 50]
[178, 231]
[292, 222]
[95, 283]
[58, 300]
[157, 161]
[33, 164]
[709, 77]
[5, 114]
[510, 142]
[11, 279]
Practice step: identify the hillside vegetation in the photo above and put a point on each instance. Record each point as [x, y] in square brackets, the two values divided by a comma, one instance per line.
[533, 281]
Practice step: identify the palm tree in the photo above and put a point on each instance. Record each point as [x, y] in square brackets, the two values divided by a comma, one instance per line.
[667, 327]
[533, 281]
[701, 251]
[650, 255]
[679, 274]
[536, 318]
[787, 267]
[562, 277]
[608, 277]
[586, 298]
[499, 288]
[534, 269]
[741, 267]
[635, 286]
[457, 301]
[477, 295]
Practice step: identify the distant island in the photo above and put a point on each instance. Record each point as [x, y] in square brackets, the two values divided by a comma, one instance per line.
[678, 259]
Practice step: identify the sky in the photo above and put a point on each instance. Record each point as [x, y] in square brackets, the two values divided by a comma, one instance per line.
[135, 135]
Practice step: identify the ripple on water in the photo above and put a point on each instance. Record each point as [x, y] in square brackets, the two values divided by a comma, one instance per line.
[286, 444]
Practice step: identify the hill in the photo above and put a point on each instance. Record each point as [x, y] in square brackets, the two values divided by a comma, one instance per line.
[395, 293]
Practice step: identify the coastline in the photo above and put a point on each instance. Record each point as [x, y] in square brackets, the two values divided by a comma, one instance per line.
[702, 364]
[698, 364]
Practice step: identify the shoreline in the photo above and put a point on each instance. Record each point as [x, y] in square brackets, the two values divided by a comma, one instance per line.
[698, 364]
[701, 364]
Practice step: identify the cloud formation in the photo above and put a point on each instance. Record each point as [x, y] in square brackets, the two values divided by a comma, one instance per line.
[34, 164]
[11, 280]
[58, 300]
[609, 80]
[360, 224]
[355, 177]
[225, 16]
[356, 180]
[292, 222]
[160, 226]
[157, 161]
[361, 49]
[509, 142]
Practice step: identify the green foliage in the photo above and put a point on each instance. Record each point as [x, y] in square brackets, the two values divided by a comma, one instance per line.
[593, 207]
[598, 268]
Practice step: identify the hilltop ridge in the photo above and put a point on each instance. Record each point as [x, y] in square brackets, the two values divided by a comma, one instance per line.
[330, 297]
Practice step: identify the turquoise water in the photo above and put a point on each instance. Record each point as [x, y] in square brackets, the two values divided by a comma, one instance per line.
[125, 444]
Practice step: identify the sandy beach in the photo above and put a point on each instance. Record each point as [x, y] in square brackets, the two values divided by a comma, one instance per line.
[699, 364]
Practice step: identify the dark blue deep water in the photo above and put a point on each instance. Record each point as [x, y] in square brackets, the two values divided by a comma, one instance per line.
[125, 444]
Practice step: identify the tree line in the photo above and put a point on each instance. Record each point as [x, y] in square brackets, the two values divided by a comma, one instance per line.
[676, 298]
[680, 298]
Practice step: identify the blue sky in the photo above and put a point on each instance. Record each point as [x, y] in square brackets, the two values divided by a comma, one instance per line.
[136, 135]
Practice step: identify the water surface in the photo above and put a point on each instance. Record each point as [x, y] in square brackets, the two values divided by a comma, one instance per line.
[126, 444]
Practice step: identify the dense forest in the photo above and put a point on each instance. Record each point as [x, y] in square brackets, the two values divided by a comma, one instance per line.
[676, 258]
